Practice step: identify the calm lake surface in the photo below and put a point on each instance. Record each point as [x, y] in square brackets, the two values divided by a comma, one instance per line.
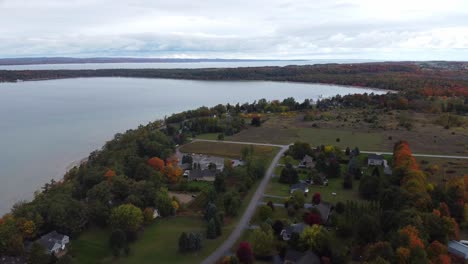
[47, 125]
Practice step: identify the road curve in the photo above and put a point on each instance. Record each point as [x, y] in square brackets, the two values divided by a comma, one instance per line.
[244, 221]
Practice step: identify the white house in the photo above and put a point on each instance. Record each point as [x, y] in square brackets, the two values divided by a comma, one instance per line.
[375, 160]
[54, 243]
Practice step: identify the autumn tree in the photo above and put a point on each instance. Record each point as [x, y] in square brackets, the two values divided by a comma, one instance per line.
[244, 253]
[263, 241]
[156, 163]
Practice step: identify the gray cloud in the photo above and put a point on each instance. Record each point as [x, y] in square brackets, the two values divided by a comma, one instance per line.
[284, 29]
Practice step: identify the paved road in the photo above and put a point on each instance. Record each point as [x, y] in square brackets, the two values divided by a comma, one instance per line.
[244, 221]
[363, 151]
[420, 155]
[256, 199]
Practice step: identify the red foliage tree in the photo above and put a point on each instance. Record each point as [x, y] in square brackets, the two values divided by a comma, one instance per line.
[312, 219]
[317, 198]
[244, 253]
[109, 175]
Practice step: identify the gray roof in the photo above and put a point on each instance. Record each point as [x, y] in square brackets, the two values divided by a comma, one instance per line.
[295, 228]
[299, 186]
[49, 240]
[298, 257]
[199, 174]
[458, 249]
[12, 260]
[375, 157]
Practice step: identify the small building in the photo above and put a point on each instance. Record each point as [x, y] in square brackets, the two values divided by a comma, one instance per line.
[54, 243]
[296, 257]
[301, 186]
[375, 160]
[307, 162]
[458, 249]
[294, 228]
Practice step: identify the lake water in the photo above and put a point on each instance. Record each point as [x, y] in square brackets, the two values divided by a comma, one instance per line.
[46, 125]
[171, 65]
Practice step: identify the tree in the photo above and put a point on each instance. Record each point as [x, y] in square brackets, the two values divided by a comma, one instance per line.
[37, 254]
[380, 249]
[148, 215]
[163, 202]
[348, 181]
[220, 183]
[334, 169]
[183, 242]
[289, 175]
[221, 136]
[232, 203]
[299, 149]
[256, 121]
[265, 212]
[126, 217]
[117, 241]
[297, 200]
[156, 163]
[368, 229]
[211, 211]
[172, 173]
[312, 218]
[263, 241]
[278, 226]
[316, 199]
[211, 229]
[369, 187]
[244, 253]
[315, 238]
[109, 175]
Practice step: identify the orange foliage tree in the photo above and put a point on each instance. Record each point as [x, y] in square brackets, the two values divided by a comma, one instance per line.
[109, 174]
[156, 163]
[172, 173]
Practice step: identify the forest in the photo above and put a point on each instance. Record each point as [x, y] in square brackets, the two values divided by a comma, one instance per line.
[440, 79]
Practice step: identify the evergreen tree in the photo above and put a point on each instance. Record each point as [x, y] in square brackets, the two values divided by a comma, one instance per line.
[211, 229]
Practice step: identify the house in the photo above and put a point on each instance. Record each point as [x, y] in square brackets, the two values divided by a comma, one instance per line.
[302, 186]
[54, 243]
[294, 228]
[297, 257]
[307, 162]
[458, 249]
[375, 160]
[12, 260]
[323, 207]
[155, 214]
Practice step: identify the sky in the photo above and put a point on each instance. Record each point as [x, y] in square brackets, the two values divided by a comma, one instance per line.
[241, 29]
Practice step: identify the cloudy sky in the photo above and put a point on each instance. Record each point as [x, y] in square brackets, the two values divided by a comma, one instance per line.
[264, 29]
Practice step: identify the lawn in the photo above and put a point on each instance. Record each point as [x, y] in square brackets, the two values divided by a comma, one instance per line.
[91, 246]
[209, 136]
[334, 186]
[347, 138]
[228, 150]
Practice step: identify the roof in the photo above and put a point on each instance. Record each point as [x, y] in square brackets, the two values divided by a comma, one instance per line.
[298, 257]
[49, 240]
[375, 157]
[302, 186]
[295, 228]
[199, 174]
[458, 249]
[12, 260]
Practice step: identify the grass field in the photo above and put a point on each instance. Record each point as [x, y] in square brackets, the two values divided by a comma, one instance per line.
[334, 186]
[446, 168]
[209, 136]
[228, 150]
[92, 247]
